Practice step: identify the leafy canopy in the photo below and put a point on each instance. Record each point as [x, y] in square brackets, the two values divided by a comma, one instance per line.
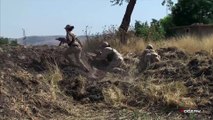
[154, 31]
[7, 41]
[187, 12]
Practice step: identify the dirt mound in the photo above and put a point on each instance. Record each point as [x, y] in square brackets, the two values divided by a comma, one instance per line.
[168, 70]
[171, 53]
[27, 86]
[38, 83]
[195, 71]
[24, 96]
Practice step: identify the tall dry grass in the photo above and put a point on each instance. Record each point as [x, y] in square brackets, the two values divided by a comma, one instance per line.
[53, 75]
[136, 45]
[169, 93]
[190, 44]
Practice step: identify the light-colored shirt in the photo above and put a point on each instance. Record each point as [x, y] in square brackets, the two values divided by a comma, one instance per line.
[72, 38]
[108, 50]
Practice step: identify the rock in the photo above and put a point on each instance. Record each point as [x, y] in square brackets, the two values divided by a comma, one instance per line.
[2, 75]
[118, 70]
[25, 46]
[8, 55]
[1, 50]
[39, 76]
[22, 57]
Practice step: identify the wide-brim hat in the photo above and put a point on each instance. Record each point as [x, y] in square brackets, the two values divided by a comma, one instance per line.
[69, 27]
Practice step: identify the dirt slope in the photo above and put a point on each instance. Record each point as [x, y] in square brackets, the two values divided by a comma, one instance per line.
[38, 83]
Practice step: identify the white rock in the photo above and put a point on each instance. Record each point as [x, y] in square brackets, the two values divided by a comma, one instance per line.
[39, 76]
[8, 55]
[22, 57]
[1, 50]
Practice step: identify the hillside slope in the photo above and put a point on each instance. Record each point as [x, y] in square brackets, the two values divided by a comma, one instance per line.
[38, 83]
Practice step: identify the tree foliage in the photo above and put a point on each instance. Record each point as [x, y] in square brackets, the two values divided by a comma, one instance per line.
[127, 16]
[4, 41]
[154, 31]
[118, 2]
[167, 24]
[7, 41]
[14, 43]
[187, 12]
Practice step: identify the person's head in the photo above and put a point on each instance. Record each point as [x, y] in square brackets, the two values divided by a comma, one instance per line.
[69, 28]
[149, 46]
[105, 44]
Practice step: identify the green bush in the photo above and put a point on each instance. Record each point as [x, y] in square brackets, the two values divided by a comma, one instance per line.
[167, 24]
[154, 31]
[141, 29]
[14, 43]
[6, 41]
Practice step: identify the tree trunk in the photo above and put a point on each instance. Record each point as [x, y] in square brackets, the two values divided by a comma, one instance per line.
[126, 21]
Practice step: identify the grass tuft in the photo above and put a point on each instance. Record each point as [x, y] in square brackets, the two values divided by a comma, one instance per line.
[169, 93]
[53, 75]
[113, 95]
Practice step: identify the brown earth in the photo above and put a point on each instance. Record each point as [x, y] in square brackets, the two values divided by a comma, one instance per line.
[28, 93]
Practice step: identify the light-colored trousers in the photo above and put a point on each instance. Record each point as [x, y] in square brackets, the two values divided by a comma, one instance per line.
[76, 51]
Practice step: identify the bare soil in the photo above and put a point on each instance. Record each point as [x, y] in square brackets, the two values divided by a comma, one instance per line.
[25, 94]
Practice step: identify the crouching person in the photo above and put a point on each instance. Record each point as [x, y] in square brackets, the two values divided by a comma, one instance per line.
[112, 57]
[148, 57]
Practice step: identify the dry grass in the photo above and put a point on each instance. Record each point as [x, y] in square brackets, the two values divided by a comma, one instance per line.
[22, 75]
[53, 75]
[170, 94]
[135, 45]
[189, 44]
[113, 95]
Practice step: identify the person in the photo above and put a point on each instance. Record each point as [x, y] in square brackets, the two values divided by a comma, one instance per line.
[148, 57]
[112, 56]
[75, 47]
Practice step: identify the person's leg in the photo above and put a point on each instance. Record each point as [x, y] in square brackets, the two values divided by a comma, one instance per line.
[80, 62]
[67, 54]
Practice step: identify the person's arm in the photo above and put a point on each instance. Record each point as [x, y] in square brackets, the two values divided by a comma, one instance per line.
[79, 42]
[70, 38]
[60, 44]
[103, 54]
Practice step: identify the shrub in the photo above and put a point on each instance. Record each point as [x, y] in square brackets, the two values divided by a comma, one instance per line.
[154, 31]
[167, 24]
[4, 41]
[14, 43]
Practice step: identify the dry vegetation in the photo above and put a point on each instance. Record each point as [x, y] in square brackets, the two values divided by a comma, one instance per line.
[39, 84]
[190, 44]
